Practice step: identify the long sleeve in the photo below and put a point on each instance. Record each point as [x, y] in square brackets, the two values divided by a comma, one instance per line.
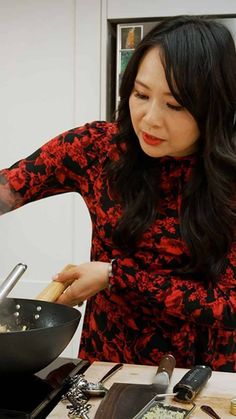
[187, 298]
[67, 163]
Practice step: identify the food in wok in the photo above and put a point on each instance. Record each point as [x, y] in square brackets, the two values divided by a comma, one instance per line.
[34, 332]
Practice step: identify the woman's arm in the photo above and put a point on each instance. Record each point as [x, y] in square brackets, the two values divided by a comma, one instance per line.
[189, 299]
[9, 199]
[67, 163]
[39, 175]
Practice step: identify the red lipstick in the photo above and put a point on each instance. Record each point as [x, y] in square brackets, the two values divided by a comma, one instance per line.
[151, 140]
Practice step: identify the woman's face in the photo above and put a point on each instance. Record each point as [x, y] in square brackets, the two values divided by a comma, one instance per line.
[163, 126]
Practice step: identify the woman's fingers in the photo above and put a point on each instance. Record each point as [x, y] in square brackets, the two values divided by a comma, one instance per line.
[67, 277]
[69, 296]
[83, 282]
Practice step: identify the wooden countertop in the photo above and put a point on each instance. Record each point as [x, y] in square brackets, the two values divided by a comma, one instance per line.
[217, 393]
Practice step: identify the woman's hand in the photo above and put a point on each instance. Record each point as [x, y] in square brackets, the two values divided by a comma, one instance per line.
[84, 281]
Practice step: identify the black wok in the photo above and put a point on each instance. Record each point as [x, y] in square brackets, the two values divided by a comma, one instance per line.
[49, 329]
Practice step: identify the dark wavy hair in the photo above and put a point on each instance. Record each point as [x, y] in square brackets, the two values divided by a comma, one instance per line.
[199, 59]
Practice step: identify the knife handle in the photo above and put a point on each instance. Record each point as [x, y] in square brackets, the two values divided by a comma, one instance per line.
[167, 364]
[110, 372]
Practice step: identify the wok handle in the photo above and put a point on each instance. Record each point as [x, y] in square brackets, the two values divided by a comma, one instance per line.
[53, 291]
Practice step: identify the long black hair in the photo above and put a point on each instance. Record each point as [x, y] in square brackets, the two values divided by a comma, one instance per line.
[199, 59]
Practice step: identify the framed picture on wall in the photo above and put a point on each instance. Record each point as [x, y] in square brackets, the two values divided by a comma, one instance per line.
[128, 37]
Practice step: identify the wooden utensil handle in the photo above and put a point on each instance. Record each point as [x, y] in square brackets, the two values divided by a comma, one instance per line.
[53, 291]
[167, 363]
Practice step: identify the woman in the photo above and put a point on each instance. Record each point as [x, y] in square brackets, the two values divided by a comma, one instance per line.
[160, 187]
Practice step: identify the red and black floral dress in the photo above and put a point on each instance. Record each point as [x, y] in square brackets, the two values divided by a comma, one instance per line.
[149, 309]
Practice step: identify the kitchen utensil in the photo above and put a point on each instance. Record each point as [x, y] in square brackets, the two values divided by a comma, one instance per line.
[210, 412]
[184, 391]
[49, 329]
[98, 389]
[13, 277]
[164, 410]
[162, 377]
[191, 383]
[125, 400]
[54, 289]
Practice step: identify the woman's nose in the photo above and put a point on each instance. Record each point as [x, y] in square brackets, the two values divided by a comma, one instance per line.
[153, 115]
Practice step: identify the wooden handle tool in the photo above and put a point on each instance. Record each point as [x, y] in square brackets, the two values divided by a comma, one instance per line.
[167, 365]
[53, 291]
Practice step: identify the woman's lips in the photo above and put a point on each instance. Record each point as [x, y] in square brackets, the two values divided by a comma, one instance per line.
[151, 140]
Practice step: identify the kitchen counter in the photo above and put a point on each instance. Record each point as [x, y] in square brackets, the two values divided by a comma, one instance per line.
[217, 393]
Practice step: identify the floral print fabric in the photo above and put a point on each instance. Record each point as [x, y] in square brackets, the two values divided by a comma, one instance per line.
[149, 309]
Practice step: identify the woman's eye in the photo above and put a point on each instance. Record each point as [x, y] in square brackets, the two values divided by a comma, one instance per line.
[140, 95]
[175, 107]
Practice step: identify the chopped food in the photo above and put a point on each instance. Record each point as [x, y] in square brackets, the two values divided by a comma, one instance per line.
[164, 412]
[4, 328]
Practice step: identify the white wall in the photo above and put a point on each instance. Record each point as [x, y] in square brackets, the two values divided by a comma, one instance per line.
[155, 8]
[37, 101]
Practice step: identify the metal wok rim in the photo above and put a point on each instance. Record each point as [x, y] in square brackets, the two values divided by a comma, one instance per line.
[77, 315]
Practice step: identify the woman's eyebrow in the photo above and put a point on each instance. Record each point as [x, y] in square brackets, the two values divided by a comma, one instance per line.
[137, 81]
[141, 83]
